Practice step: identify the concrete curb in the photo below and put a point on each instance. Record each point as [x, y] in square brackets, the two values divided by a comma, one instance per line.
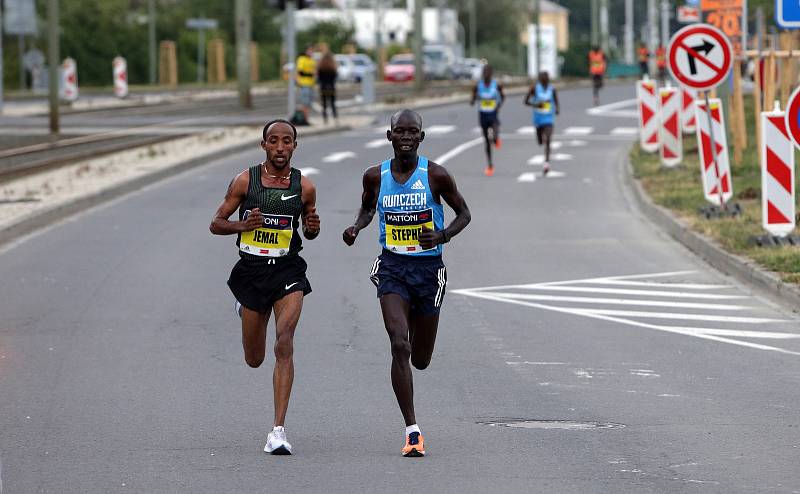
[48, 216]
[741, 268]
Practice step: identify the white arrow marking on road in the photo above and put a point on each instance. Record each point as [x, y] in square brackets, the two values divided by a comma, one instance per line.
[376, 143]
[336, 157]
[578, 131]
[613, 109]
[309, 171]
[527, 177]
[539, 158]
[625, 131]
[440, 129]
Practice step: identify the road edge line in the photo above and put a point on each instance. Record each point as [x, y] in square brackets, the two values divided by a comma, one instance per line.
[744, 270]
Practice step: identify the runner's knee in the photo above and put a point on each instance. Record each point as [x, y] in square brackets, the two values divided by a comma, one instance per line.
[254, 358]
[420, 362]
[401, 348]
[284, 347]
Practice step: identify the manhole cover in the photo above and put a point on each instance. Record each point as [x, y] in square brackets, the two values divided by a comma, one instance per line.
[551, 424]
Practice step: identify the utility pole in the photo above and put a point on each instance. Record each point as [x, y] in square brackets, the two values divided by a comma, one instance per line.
[594, 33]
[53, 56]
[664, 23]
[377, 33]
[604, 26]
[473, 29]
[151, 39]
[652, 32]
[291, 54]
[1, 61]
[243, 36]
[536, 36]
[629, 56]
[419, 71]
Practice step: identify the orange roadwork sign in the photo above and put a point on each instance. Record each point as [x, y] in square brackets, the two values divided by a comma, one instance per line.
[725, 15]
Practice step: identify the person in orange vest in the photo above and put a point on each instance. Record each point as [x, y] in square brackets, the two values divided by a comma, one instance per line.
[661, 62]
[644, 57]
[597, 69]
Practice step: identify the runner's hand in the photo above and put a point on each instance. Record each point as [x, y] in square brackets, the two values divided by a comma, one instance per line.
[349, 235]
[429, 239]
[312, 221]
[254, 220]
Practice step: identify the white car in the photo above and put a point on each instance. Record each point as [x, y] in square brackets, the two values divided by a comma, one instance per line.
[361, 65]
[345, 68]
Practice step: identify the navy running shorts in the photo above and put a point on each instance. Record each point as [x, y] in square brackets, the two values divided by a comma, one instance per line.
[488, 119]
[420, 280]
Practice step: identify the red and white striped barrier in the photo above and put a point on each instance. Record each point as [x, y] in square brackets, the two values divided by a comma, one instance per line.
[721, 173]
[647, 98]
[69, 80]
[120, 70]
[670, 141]
[777, 174]
[688, 118]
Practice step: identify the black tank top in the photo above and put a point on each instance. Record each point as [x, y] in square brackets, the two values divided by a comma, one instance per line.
[278, 236]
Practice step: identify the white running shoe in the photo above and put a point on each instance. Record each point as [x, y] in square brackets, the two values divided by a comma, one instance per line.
[277, 443]
[237, 307]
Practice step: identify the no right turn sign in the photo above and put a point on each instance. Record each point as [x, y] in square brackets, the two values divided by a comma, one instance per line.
[700, 56]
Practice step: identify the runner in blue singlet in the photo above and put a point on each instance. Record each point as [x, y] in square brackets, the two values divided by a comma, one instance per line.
[490, 97]
[544, 100]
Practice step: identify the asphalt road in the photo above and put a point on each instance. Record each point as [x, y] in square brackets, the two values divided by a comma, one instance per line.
[639, 367]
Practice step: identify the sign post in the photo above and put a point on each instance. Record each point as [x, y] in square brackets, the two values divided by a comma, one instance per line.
[120, 72]
[777, 169]
[669, 129]
[647, 99]
[201, 25]
[700, 57]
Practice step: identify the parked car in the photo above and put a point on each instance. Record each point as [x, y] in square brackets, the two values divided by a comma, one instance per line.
[441, 59]
[399, 69]
[345, 68]
[361, 65]
[467, 68]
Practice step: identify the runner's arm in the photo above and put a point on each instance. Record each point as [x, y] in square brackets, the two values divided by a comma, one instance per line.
[369, 201]
[310, 216]
[237, 191]
[474, 95]
[527, 100]
[555, 100]
[502, 96]
[443, 185]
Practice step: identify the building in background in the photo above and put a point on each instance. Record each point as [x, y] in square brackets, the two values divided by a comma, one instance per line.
[552, 14]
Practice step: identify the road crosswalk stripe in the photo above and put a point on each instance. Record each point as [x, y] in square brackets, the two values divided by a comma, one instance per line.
[376, 143]
[440, 129]
[527, 177]
[624, 131]
[539, 158]
[581, 131]
[338, 156]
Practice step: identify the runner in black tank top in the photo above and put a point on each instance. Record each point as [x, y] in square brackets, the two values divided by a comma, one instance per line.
[273, 199]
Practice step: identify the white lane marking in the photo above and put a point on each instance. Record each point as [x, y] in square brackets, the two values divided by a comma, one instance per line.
[458, 150]
[439, 129]
[309, 170]
[336, 157]
[685, 286]
[376, 143]
[527, 177]
[539, 158]
[576, 143]
[555, 174]
[685, 317]
[528, 129]
[477, 130]
[578, 131]
[614, 109]
[624, 131]
[621, 301]
[631, 317]
[556, 145]
[695, 332]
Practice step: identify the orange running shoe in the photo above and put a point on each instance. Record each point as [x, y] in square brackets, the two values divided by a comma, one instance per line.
[488, 171]
[498, 143]
[415, 446]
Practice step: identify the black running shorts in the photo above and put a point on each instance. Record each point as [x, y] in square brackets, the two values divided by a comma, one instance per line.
[420, 280]
[488, 119]
[257, 285]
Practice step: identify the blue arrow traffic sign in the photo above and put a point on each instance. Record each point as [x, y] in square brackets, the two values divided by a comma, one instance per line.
[787, 14]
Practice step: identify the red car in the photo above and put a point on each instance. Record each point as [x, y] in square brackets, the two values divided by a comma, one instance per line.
[399, 69]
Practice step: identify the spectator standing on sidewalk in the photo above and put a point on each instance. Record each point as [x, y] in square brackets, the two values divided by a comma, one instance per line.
[326, 76]
[305, 74]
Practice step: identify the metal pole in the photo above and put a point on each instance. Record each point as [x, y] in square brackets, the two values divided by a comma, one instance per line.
[53, 56]
[201, 41]
[536, 36]
[21, 45]
[652, 32]
[243, 35]
[419, 73]
[664, 23]
[594, 29]
[473, 29]
[714, 151]
[291, 54]
[376, 6]
[151, 39]
[629, 56]
[1, 61]
[760, 46]
[604, 26]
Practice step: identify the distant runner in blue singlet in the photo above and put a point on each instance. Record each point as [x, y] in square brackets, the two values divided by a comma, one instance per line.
[490, 97]
[544, 100]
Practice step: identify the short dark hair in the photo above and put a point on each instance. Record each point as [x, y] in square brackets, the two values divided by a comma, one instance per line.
[278, 120]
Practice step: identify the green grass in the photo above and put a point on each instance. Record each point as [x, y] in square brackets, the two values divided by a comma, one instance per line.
[681, 190]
